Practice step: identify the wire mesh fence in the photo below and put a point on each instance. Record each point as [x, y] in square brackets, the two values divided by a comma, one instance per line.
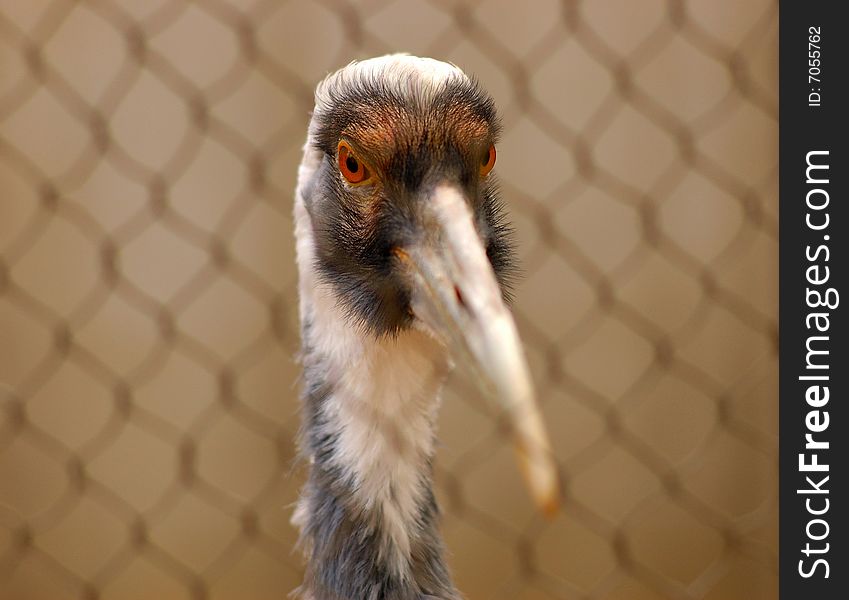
[148, 318]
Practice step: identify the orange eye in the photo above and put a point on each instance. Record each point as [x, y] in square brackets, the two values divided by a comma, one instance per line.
[487, 161]
[351, 167]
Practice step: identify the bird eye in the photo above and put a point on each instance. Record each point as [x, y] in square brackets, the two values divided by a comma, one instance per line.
[487, 161]
[351, 167]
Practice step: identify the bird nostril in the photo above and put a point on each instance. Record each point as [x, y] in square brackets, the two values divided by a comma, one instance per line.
[459, 296]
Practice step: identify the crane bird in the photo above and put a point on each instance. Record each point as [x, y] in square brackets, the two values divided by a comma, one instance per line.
[403, 256]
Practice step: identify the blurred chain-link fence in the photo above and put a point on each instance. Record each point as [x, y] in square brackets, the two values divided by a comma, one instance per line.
[148, 388]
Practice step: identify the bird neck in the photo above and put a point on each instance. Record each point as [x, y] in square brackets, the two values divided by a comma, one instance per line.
[367, 514]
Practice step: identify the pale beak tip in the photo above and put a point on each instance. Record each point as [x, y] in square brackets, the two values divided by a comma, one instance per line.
[544, 484]
[550, 507]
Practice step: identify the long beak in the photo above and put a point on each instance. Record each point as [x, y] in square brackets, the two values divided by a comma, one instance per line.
[456, 295]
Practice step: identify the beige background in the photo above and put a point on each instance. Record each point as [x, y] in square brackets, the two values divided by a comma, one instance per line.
[148, 392]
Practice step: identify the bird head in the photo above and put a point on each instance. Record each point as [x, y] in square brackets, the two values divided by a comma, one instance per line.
[409, 230]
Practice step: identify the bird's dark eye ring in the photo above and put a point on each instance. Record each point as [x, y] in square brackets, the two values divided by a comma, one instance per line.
[488, 161]
[352, 168]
